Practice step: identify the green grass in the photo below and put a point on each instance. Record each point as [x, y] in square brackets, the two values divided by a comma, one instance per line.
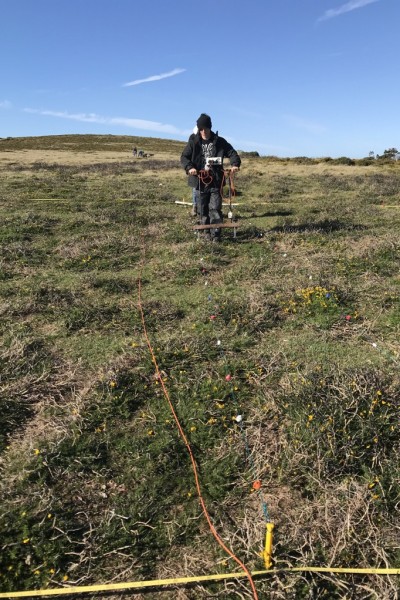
[302, 310]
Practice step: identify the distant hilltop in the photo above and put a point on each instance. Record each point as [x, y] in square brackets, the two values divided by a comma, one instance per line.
[149, 146]
[87, 142]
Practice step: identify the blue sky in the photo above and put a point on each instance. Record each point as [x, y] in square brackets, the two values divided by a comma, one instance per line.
[283, 77]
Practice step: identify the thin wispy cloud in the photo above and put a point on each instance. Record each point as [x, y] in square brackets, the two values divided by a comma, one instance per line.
[155, 77]
[345, 8]
[244, 144]
[5, 104]
[141, 124]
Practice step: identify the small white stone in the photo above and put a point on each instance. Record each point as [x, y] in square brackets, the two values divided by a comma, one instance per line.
[374, 344]
[218, 342]
[239, 419]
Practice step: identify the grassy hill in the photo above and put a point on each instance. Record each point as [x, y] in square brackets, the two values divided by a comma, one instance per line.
[90, 142]
[302, 313]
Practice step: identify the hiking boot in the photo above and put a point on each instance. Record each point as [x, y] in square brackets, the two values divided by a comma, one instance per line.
[194, 211]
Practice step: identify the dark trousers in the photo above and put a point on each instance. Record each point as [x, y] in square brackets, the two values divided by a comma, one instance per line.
[209, 207]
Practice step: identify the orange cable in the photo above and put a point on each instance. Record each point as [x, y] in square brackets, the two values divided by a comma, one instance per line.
[232, 185]
[205, 176]
[228, 176]
[186, 442]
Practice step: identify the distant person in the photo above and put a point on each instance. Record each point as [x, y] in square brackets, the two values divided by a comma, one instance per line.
[200, 150]
[134, 151]
[140, 154]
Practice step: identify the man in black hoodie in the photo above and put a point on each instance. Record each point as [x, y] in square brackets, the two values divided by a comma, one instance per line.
[202, 159]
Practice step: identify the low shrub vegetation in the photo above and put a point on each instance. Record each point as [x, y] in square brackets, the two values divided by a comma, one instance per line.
[279, 350]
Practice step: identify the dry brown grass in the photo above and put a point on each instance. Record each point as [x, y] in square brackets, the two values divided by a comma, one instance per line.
[317, 230]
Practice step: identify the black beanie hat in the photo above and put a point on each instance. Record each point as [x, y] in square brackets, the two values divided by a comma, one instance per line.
[204, 121]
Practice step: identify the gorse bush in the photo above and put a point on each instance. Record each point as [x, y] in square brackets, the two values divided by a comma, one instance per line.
[352, 422]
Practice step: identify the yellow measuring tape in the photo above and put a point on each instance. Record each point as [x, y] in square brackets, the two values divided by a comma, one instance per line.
[113, 587]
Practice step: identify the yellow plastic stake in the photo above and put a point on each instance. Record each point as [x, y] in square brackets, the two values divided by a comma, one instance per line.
[267, 554]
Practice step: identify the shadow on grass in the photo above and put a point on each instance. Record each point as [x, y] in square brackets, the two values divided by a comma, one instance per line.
[248, 234]
[326, 226]
[270, 213]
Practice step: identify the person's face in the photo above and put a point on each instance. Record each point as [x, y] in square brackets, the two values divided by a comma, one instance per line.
[205, 133]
